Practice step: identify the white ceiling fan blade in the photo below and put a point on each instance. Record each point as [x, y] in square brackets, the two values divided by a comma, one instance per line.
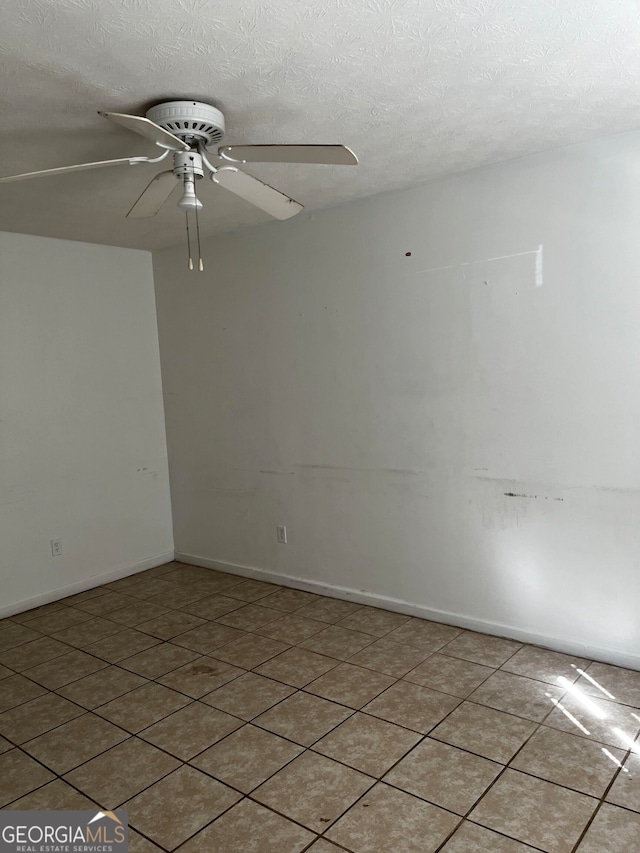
[154, 196]
[337, 155]
[79, 167]
[147, 128]
[256, 192]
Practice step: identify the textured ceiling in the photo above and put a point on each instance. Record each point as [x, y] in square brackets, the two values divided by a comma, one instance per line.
[418, 88]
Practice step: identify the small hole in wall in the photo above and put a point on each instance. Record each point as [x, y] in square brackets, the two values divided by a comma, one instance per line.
[407, 254]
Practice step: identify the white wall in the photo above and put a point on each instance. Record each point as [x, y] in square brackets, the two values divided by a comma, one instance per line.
[465, 440]
[82, 442]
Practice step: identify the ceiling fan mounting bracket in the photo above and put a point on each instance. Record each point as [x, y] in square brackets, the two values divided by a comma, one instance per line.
[191, 121]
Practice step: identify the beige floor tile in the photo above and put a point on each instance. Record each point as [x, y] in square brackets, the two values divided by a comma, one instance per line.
[535, 812]
[249, 651]
[625, 791]
[249, 618]
[613, 830]
[213, 606]
[248, 695]
[600, 720]
[329, 789]
[569, 760]
[492, 734]
[190, 730]
[412, 706]
[171, 624]
[5, 745]
[149, 588]
[200, 677]
[250, 828]
[122, 772]
[27, 721]
[424, 635]
[80, 637]
[139, 844]
[75, 742]
[224, 581]
[44, 610]
[209, 586]
[121, 645]
[545, 665]
[329, 610]
[55, 795]
[296, 667]
[33, 653]
[390, 821]
[16, 690]
[180, 596]
[303, 718]
[205, 588]
[176, 807]
[337, 642]
[612, 682]
[106, 603]
[101, 687]
[250, 590]
[140, 611]
[159, 660]
[15, 635]
[20, 774]
[85, 595]
[186, 575]
[371, 620]
[481, 648]
[386, 656]
[65, 618]
[471, 838]
[288, 600]
[247, 757]
[449, 675]
[290, 629]
[517, 695]
[62, 670]
[350, 685]
[142, 707]
[367, 744]
[444, 775]
[207, 637]
[439, 665]
[158, 571]
[123, 584]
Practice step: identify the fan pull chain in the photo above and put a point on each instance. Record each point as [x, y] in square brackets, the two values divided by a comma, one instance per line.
[190, 264]
[200, 264]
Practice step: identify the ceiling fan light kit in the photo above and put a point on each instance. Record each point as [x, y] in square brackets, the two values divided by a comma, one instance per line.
[187, 129]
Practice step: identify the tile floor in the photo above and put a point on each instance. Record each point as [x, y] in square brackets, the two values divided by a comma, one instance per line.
[232, 716]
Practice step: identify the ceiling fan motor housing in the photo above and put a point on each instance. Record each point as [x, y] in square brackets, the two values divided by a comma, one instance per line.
[190, 121]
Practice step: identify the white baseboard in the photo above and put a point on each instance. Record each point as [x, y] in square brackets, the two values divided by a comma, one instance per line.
[567, 645]
[85, 583]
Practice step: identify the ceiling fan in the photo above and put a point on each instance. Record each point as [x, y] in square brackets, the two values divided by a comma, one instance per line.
[188, 129]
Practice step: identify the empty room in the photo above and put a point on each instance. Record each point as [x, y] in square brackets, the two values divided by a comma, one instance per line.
[319, 469]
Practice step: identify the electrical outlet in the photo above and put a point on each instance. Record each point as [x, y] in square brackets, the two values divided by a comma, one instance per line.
[281, 534]
[56, 547]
